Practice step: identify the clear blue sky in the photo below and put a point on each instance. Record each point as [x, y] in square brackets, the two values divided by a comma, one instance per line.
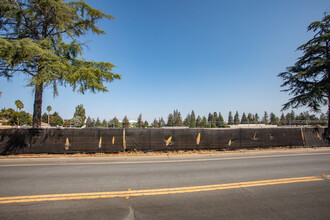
[204, 55]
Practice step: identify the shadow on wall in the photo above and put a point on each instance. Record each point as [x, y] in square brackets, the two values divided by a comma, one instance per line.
[12, 143]
[53, 140]
[18, 141]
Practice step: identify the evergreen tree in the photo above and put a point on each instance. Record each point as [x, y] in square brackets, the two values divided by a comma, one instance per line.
[155, 124]
[80, 111]
[192, 119]
[273, 119]
[133, 125]
[244, 119]
[114, 123]
[98, 123]
[40, 39]
[146, 124]
[125, 122]
[215, 117]
[204, 122]
[187, 120]
[140, 122]
[198, 121]
[170, 120]
[220, 121]
[210, 118]
[161, 122]
[90, 123]
[256, 118]
[308, 80]
[236, 118]
[305, 116]
[250, 118]
[265, 118]
[178, 121]
[104, 124]
[230, 119]
[175, 115]
[301, 116]
[290, 117]
[283, 119]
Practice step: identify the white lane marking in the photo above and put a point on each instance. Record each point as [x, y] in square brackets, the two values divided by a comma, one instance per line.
[160, 161]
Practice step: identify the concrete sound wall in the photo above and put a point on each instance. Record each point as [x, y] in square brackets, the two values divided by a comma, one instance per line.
[98, 140]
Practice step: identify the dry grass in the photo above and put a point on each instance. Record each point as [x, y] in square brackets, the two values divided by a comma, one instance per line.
[141, 153]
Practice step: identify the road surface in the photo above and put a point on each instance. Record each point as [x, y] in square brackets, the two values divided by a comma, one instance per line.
[289, 184]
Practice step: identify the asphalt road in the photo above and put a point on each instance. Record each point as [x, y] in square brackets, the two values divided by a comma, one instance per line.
[208, 186]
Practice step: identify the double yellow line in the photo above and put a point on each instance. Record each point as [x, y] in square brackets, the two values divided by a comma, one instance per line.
[152, 192]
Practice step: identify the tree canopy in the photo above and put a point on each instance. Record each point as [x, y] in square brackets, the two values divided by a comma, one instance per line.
[139, 121]
[19, 104]
[125, 122]
[40, 39]
[309, 79]
[80, 112]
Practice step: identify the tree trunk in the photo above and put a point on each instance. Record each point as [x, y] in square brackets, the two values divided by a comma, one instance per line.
[328, 89]
[328, 114]
[37, 106]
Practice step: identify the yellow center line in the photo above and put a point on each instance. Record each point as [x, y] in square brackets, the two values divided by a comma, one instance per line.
[150, 192]
[157, 190]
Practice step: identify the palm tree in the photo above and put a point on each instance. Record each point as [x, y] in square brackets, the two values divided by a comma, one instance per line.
[19, 105]
[49, 108]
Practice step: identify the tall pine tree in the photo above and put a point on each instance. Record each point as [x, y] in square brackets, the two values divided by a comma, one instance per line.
[187, 120]
[155, 124]
[265, 118]
[220, 121]
[178, 121]
[139, 123]
[283, 119]
[244, 119]
[236, 118]
[256, 118]
[170, 120]
[204, 122]
[198, 121]
[40, 39]
[192, 119]
[230, 118]
[161, 122]
[309, 79]
[125, 122]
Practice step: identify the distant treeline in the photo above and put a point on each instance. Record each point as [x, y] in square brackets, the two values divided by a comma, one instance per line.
[213, 120]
